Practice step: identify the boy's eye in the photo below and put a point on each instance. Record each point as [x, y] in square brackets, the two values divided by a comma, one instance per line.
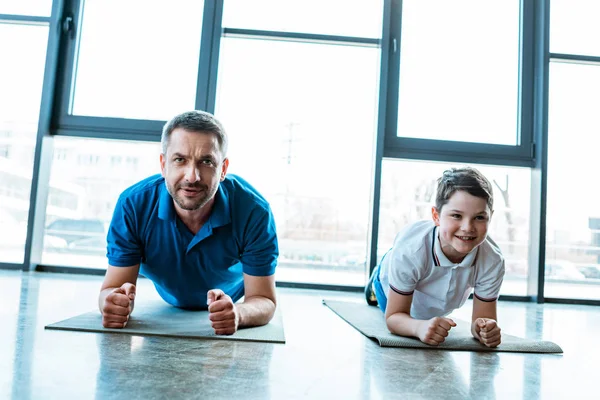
[481, 218]
[455, 216]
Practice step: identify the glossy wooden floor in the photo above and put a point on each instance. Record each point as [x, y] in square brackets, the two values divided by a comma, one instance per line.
[324, 358]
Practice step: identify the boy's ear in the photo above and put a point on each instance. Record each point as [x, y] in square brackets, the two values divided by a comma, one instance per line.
[435, 215]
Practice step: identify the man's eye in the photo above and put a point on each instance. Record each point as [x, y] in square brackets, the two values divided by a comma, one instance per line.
[178, 159]
[207, 162]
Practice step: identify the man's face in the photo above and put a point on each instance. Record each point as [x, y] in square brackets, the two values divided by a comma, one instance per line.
[192, 167]
[463, 224]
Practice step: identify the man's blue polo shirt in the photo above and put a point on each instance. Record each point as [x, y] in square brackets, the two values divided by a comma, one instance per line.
[239, 236]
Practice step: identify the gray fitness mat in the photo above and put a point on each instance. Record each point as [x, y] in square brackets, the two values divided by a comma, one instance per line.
[370, 321]
[161, 319]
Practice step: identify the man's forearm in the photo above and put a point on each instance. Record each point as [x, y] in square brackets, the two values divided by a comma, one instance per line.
[255, 311]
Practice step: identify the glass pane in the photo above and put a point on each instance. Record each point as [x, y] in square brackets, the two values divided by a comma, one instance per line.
[574, 27]
[21, 79]
[359, 18]
[408, 190]
[87, 177]
[38, 8]
[573, 223]
[141, 66]
[288, 113]
[459, 71]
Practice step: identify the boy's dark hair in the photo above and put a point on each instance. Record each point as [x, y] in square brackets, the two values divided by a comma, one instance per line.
[464, 178]
[195, 121]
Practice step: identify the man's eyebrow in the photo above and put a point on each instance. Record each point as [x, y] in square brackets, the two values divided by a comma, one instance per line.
[178, 155]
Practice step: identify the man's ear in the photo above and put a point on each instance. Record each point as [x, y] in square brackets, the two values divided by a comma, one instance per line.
[435, 215]
[163, 161]
[224, 168]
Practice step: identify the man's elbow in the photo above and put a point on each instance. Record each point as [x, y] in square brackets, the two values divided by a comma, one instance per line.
[270, 309]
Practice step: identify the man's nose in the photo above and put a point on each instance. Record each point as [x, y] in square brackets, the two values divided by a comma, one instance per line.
[192, 175]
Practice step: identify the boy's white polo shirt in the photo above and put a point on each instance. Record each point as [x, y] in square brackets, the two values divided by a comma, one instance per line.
[416, 265]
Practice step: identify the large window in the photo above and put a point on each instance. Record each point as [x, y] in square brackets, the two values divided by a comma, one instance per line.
[572, 267]
[408, 193]
[40, 8]
[144, 72]
[573, 217]
[311, 148]
[455, 86]
[88, 175]
[574, 27]
[316, 96]
[21, 78]
[301, 117]
[357, 18]
[459, 71]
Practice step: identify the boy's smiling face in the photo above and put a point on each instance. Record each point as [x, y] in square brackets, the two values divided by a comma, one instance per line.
[463, 224]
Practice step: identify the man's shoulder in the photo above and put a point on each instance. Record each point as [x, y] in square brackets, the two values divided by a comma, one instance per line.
[143, 190]
[242, 194]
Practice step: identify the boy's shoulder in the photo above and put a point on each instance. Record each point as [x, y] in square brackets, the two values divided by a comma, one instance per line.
[415, 237]
[490, 252]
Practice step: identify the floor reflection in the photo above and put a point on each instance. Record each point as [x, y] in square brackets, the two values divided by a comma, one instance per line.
[156, 367]
[421, 373]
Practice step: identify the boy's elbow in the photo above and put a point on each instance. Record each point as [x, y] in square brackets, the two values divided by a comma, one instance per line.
[391, 322]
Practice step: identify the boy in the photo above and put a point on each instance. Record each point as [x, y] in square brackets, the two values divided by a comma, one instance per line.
[433, 265]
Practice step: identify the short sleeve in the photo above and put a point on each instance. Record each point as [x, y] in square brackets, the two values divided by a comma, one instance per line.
[403, 273]
[260, 251]
[487, 286]
[123, 245]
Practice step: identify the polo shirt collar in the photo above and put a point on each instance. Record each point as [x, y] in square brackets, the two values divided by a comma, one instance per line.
[440, 259]
[166, 209]
[220, 215]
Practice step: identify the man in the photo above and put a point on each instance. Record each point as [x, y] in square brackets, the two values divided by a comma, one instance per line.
[202, 237]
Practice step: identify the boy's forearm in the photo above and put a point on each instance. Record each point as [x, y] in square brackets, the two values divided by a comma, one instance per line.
[403, 324]
[482, 309]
